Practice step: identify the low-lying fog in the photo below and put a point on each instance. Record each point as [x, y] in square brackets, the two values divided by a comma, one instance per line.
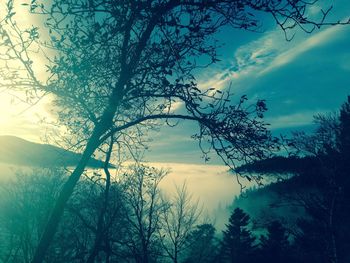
[211, 185]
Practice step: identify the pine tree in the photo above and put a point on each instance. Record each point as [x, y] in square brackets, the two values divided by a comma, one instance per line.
[203, 245]
[237, 244]
[311, 242]
[275, 246]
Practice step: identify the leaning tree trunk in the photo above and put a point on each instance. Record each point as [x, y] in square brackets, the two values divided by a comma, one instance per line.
[67, 189]
[94, 142]
[61, 201]
[95, 139]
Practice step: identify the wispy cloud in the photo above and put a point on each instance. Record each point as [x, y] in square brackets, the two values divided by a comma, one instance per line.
[294, 120]
[247, 61]
[265, 54]
[287, 56]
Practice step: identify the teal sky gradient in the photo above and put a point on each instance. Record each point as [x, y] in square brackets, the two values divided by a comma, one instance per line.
[298, 79]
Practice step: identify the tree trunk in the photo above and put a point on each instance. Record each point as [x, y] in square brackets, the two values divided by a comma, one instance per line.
[101, 228]
[67, 190]
[63, 197]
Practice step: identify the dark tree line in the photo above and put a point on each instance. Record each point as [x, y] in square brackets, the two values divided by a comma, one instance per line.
[141, 225]
[328, 203]
[240, 244]
[320, 187]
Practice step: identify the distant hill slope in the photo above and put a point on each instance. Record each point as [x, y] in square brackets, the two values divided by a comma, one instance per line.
[279, 165]
[273, 200]
[14, 150]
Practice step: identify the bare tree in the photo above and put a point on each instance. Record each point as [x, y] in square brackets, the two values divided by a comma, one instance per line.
[178, 220]
[117, 65]
[25, 204]
[94, 227]
[143, 209]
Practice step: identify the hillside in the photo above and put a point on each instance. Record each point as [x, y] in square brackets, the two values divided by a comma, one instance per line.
[17, 151]
[279, 165]
[295, 178]
[272, 201]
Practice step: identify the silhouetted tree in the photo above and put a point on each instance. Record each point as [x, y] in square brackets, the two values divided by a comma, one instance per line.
[343, 221]
[320, 187]
[180, 214]
[144, 207]
[25, 204]
[275, 245]
[327, 200]
[238, 242]
[84, 233]
[103, 221]
[116, 65]
[202, 245]
[310, 242]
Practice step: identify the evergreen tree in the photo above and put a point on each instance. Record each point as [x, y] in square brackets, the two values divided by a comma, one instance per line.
[311, 242]
[237, 244]
[203, 245]
[342, 212]
[275, 246]
[324, 235]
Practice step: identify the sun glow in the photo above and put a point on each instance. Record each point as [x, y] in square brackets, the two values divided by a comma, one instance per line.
[22, 119]
[17, 116]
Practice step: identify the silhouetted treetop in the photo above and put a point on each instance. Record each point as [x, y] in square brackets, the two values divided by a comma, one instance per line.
[237, 243]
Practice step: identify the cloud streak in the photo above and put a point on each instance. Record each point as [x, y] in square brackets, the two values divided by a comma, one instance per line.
[322, 38]
[266, 54]
[293, 120]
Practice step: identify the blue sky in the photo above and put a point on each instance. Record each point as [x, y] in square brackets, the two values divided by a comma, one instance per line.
[298, 79]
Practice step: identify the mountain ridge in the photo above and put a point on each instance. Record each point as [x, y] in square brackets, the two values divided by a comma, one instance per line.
[18, 151]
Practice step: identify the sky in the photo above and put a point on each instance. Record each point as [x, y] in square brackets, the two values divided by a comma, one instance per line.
[298, 79]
